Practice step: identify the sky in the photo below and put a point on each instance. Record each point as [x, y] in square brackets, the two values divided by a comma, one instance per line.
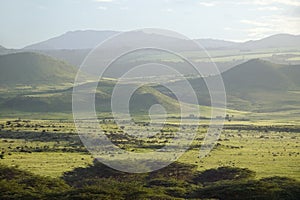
[24, 22]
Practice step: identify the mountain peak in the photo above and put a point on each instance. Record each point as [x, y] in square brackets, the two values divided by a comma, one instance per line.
[273, 41]
[81, 39]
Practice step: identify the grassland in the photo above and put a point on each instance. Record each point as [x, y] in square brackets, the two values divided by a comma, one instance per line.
[264, 147]
[261, 133]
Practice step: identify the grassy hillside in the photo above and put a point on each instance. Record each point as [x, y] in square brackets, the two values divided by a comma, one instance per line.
[293, 72]
[61, 100]
[256, 75]
[262, 86]
[34, 69]
[255, 85]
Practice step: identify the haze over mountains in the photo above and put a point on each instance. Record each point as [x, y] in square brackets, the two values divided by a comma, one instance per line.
[73, 40]
[90, 38]
[255, 85]
[40, 76]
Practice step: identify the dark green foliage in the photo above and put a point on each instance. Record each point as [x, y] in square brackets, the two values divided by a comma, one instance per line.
[101, 182]
[176, 170]
[18, 184]
[270, 188]
[282, 187]
[224, 173]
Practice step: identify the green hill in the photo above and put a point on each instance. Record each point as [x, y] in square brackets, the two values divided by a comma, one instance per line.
[34, 69]
[255, 85]
[256, 75]
[262, 86]
[61, 100]
[293, 73]
[53, 93]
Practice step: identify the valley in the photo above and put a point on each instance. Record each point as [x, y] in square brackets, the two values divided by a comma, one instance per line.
[258, 148]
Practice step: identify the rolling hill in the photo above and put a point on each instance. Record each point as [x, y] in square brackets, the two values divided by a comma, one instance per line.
[73, 40]
[88, 39]
[34, 69]
[216, 44]
[61, 101]
[257, 74]
[274, 41]
[255, 85]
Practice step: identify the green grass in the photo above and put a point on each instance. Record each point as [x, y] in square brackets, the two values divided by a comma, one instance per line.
[268, 154]
[52, 164]
[243, 144]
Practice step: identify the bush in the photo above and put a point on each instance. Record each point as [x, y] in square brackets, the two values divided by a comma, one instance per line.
[224, 173]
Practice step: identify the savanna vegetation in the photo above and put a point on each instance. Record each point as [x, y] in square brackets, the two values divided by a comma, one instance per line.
[42, 157]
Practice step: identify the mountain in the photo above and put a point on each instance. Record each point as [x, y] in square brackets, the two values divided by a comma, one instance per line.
[274, 41]
[4, 50]
[255, 85]
[89, 39]
[33, 69]
[73, 40]
[261, 86]
[257, 74]
[216, 44]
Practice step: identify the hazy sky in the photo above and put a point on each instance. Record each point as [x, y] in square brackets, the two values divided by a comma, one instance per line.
[24, 22]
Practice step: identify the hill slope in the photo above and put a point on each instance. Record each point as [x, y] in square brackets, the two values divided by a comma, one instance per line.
[255, 85]
[33, 69]
[74, 40]
[88, 39]
[274, 41]
[61, 100]
[256, 75]
[216, 44]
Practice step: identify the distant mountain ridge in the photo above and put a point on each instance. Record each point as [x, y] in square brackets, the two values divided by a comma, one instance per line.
[73, 40]
[88, 39]
[274, 41]
[215, 43]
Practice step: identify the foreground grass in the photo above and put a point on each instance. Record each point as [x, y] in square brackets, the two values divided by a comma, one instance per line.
[51, 164]
[267, 152]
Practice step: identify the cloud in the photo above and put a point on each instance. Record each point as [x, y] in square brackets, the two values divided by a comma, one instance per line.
[104, 1]
[273, 24]
[167, 10]
[288, 2]
[207, 4]
[253, 22]
[271, 8]
[102, 8]
[272, 2]
[124, 8]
